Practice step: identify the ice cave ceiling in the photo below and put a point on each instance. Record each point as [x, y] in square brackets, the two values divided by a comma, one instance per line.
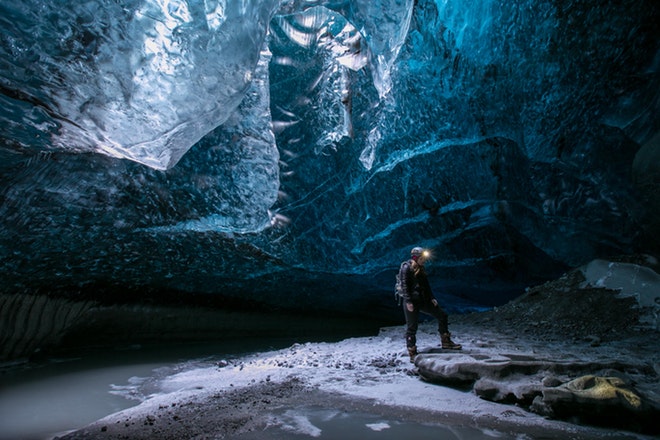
[290, 152]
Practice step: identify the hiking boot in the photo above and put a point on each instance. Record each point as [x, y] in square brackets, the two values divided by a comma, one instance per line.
[447, 343]
[412, 352]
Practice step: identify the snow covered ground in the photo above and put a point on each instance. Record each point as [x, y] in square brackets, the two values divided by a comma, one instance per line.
[288, 393]
[235, 397]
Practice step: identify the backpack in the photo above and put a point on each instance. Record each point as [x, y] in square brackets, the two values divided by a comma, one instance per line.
[398, 289]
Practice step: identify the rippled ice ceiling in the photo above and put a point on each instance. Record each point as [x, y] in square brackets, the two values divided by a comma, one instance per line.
[292, 152]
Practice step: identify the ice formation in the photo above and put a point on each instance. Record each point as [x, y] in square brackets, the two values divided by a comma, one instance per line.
[227, 146]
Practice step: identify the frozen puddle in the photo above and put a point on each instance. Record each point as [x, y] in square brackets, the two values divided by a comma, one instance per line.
[313, 423]
[59, 401]
[41, 401]
[41, 408]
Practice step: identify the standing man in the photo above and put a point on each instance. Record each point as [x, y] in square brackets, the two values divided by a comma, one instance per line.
[418, 297]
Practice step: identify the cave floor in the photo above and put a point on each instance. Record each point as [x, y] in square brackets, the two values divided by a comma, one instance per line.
[263, 394]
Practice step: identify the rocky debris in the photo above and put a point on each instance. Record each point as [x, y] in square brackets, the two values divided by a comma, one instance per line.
[562, 309]
[576, 308]
[584, 336]
[224, 415]
[630, 281]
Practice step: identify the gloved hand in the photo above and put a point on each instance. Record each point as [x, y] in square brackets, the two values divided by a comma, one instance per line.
[434, 302]
[410, 307]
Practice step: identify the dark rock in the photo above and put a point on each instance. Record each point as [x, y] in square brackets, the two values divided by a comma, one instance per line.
[551, 381]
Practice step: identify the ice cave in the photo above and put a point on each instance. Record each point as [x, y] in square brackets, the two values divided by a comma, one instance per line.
[181, 172]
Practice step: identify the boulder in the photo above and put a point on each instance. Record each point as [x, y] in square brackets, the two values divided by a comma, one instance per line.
[605, 401]
[597, 392]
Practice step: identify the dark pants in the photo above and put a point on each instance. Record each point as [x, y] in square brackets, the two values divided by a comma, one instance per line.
[412, 320]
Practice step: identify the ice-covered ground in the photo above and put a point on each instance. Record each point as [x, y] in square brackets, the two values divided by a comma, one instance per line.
[263, 394]
[371, 374]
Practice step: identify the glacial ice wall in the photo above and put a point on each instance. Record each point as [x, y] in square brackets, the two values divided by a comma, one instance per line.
[291, 152]
[143, 80]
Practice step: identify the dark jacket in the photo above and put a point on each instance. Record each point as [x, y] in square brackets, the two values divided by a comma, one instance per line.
[414, 283]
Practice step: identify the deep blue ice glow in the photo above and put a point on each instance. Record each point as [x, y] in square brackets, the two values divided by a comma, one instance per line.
[297, 150]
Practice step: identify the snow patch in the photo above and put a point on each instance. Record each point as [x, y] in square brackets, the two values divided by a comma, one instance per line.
[298, 423]
[381, 426]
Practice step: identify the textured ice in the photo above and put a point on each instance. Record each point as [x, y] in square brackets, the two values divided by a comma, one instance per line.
[313, 142]
[137, 80]
[632, 280]
[147, 80]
